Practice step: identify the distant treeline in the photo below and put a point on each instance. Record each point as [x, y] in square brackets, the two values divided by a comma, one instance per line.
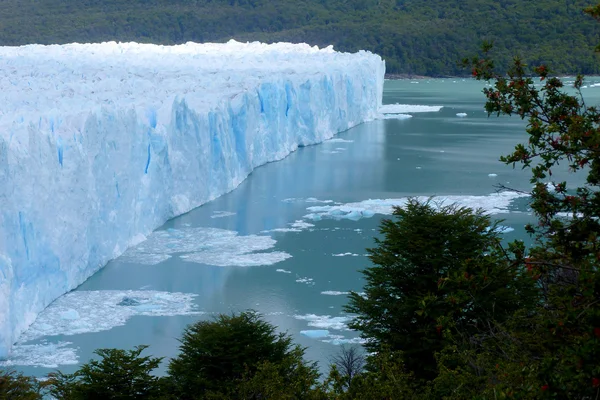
[414, 36]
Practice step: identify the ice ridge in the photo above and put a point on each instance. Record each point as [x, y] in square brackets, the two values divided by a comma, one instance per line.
[102, 143]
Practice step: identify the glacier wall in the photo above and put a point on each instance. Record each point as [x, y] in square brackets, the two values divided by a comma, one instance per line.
[102, 143]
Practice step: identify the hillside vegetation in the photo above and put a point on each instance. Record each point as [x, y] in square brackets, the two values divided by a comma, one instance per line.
[420, 37]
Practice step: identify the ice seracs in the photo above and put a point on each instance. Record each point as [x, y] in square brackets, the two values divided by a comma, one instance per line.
[102, 143]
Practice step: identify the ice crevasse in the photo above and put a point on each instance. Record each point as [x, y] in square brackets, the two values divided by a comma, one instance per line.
[102, 143]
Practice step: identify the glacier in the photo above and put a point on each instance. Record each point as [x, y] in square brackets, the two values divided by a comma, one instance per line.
[100, 144]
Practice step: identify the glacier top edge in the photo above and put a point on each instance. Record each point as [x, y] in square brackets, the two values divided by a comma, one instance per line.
[41, 81]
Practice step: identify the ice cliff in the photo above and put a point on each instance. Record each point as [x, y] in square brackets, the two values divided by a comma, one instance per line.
[102, 143]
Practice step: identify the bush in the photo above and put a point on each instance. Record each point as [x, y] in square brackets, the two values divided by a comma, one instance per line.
[237, 353]
[119, 374]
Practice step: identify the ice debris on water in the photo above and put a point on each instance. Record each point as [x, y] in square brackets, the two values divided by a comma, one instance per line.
[80, 312]
[212, 246]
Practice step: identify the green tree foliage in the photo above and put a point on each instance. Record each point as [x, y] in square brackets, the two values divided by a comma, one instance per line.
[564, 130]
[119, 374]
[239, 356]
[414, 36]
[15, 386]
[438, 273]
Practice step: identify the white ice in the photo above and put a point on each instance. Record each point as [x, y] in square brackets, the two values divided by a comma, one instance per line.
[407, 108]
[212, 246]
[394, 116]
[90, 311]
[495, 203]
[461, 115]
[325, 324]
[100, 144]
[45, 354]
[315, 333]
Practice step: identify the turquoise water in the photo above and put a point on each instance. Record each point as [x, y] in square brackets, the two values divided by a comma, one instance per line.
[434, 153]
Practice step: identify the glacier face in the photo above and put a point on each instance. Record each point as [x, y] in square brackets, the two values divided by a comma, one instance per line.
[102, 143]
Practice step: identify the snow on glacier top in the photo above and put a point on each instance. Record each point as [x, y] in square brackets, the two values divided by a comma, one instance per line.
[39, 80]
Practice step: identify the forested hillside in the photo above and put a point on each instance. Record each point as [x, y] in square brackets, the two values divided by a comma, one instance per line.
[421, 37]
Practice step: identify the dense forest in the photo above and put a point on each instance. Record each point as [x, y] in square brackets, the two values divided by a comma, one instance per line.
[415, 37]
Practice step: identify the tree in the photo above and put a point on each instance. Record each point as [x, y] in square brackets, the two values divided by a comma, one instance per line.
[237, 352]
[15, 386]
[119, 374]
[439, 273]
[349, 362]
[565, 255]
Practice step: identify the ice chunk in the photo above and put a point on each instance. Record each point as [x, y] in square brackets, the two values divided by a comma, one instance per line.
[346, 254]
[211, 246]
[407, 108]
[46, 354]
[283, 271]
[334, 293]
[308, 281]
[394, 116]
[461, 115]
[341, 340]
[495, 203]
[339, 140]
[492, 175]
[96, 311]
[315, 333]
[90, 311]
[325, 321]
[121, 137]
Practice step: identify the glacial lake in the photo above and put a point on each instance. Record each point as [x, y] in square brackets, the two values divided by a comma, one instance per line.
[293, 218]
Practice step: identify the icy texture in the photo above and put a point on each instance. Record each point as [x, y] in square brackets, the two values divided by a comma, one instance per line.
[495, 203]
[96, 311]
[46, 354]
[315, 333]
[91, 311]
[395, 116]
[461, 115]
[326, 323]
[219, 247]
[102, 143]
[407, 108]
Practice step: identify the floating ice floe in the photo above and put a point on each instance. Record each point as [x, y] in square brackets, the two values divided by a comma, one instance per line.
[326, 321]
[307, 281]
[492, 175]
[407, 108]
[81, 312]
[315, 333]
[461, 115]
[212, 246]
[46, 355]
[283, 271]
[297, 226]
[394, 116]
[339, 140]
[345, 255]
[325, 324]
[495, 203]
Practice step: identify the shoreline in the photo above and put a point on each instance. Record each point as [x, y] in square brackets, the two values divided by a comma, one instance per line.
[419, 77]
